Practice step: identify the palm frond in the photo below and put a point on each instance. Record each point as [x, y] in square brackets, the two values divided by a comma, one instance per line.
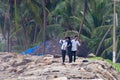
[68, 33]
[54, 30]
[109, 49]
[100, 31]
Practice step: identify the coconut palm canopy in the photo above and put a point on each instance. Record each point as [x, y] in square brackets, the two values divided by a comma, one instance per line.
[23, 23]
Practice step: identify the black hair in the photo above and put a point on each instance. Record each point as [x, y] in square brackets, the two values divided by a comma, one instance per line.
[76, 36]
[68, 38]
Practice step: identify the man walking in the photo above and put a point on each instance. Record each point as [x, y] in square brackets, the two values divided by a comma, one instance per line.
[63, 49]
[69, 47]
[75, 44]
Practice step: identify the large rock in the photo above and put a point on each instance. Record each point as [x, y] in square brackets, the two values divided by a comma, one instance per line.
[83, 50]
[91, 55]
[48, 59]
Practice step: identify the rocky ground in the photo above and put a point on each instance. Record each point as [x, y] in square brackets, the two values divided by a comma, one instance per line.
[27, 67]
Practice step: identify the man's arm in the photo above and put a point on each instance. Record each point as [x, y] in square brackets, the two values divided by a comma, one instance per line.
[61, 41]
[78, 43]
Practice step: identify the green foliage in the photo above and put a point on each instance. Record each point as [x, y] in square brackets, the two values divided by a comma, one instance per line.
[68, 33]
[96, 58]
[54, 30]
[115, 65]
[63, 19]
[34, 10]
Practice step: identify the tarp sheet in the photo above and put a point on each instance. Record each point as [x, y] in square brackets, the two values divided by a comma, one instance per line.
[33, 49]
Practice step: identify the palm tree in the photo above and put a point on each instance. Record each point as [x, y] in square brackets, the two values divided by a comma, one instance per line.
[100, 20]
[96, 23]
[84, 14]
[91, 18]
[44, 13]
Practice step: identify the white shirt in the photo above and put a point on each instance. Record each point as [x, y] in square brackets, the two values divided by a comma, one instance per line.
[75, 44]
[64, 44]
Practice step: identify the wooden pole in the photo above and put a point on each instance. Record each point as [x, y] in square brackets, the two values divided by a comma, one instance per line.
[114, 33]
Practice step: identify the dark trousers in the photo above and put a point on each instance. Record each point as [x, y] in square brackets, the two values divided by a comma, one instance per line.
[74, 55]
[63, 55]
[70, 56]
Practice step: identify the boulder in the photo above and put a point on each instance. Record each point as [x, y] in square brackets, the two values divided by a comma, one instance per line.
[48, 59]
[91, 55]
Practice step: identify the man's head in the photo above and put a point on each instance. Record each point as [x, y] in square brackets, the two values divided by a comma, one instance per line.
[76, 37]
[66, 38]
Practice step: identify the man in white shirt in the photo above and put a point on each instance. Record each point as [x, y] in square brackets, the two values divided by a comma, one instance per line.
[75, 44]
[63, 48]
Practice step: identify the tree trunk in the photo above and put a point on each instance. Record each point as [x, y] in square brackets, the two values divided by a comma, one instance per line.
[7, 25]
[44, 24]
[7, 42]
[74, 8]
[25, 41]
[85, 11]
[35, 34]
[99, 46]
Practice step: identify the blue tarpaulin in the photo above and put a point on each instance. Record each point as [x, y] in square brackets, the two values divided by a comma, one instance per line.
[30, 50]
[33, 49]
